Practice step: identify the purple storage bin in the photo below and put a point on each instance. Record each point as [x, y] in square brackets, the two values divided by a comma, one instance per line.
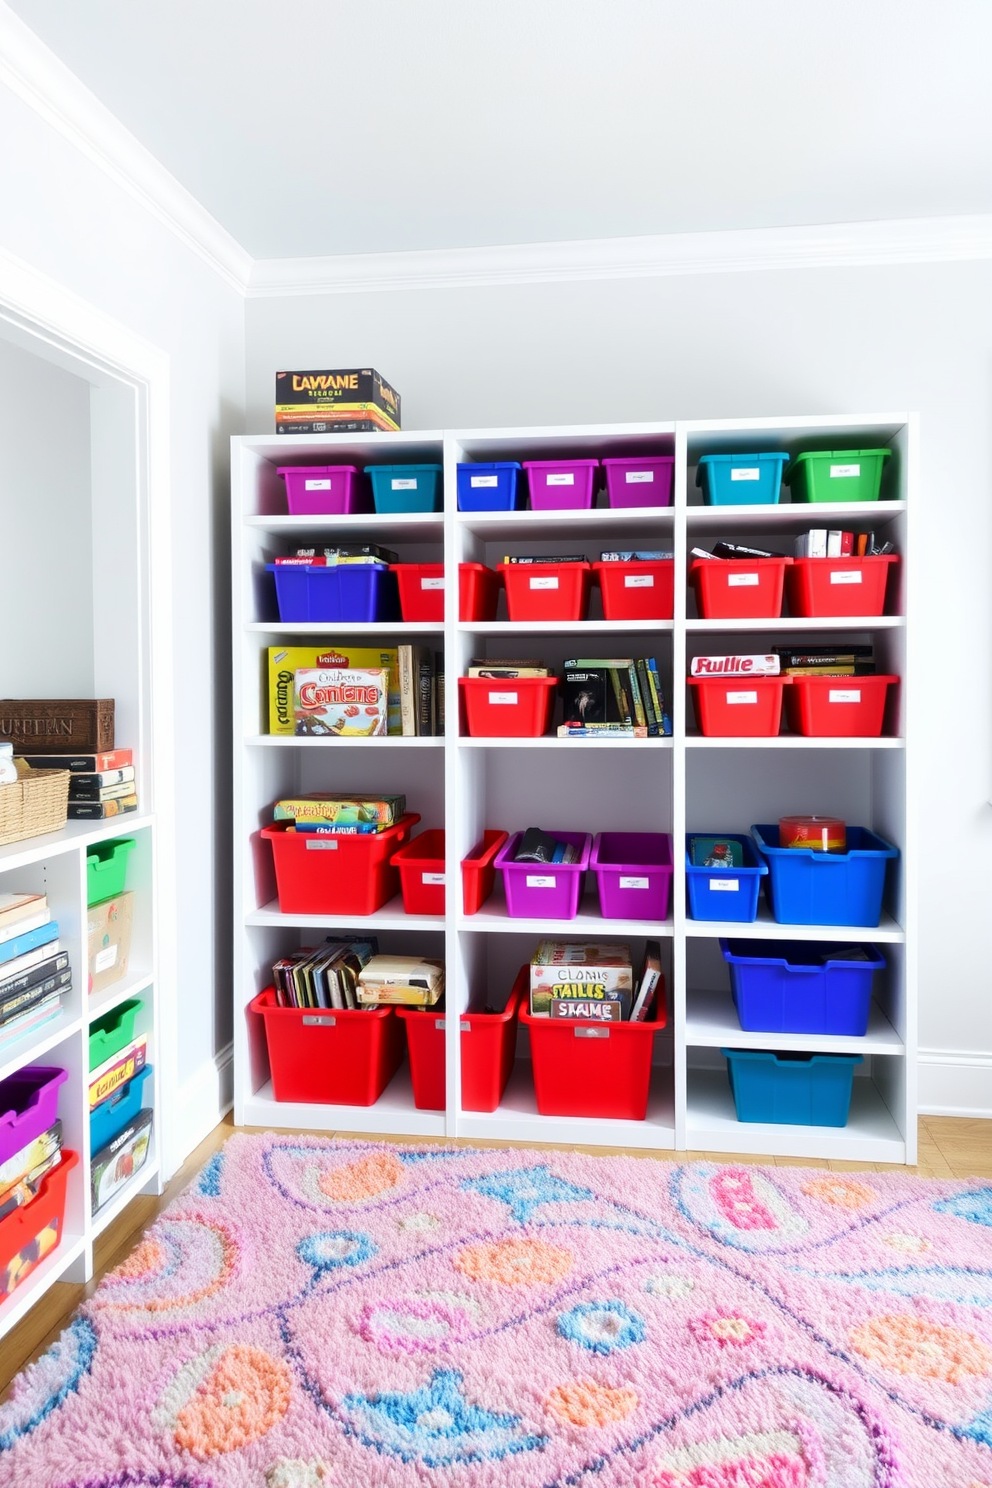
[560, 485]
[647, 482]
[323, 490]
[633, 874]
[29, 1103]
[344, 591]
[543, 891]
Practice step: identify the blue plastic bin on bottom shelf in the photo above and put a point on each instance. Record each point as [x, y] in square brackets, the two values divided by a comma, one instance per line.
[784, 986]
[729, 894]
[791, 1089]
[820, 888]
[118, 1110]
[741, 480]
[344, 591]
[490, 487]
[405, 488]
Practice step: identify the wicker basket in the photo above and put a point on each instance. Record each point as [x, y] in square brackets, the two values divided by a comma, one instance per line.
[37, 803]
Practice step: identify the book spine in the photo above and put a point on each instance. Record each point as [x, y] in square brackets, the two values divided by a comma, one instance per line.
[108, 759]
[640, 716]
[20, 945]
[93, 810]
[439, 694]
[408, 717]
[100, 792]
[12, 986]
[655, 680]
[654, 723]
[82, 780]
[22, 926]
[33, 995]
[547, 558]
[425, 693]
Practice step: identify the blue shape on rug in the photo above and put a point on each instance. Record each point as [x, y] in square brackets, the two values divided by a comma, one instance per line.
[436, 1425]
[976, 1206]
[526, 1189]
[208, 1183]
[602, 1327]
[333, 1248]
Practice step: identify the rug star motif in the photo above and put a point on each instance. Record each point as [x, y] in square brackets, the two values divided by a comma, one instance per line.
[526, 1189]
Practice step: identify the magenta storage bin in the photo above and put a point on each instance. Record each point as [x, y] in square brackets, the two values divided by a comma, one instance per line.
[646, 482]
[633, 874]
[29, 1103]
[544, 891]
[323, 490]
[560, 485]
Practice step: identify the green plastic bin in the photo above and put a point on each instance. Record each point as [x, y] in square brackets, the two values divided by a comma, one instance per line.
[837, 475]
[106, 869]
[113, 1032]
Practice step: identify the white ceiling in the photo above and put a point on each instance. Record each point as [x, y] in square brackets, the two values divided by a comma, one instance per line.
[329, 128]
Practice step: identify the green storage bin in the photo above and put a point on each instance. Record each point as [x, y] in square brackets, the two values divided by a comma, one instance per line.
[837, 475]
[112, 1032]
[106, 869]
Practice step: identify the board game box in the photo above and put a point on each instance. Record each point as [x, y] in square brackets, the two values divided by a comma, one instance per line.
[341, 702]
[285, 661]
[122, 1157]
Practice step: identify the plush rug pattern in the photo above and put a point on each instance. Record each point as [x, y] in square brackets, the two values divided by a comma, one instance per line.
[331, 1314]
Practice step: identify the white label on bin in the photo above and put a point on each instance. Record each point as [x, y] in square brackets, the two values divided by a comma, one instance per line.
[742, 697]
[317, 485]
[639, 477]
[592, 1032]
[321, 844]
[841, 472]
[403, 485]
[741, 581]
[477, 482]
[638, 581]
[844, 695]
[544, 583]
[319, 1022]
[725, 885]
[540, 880]
[432, 878]
[503, 697]
[560, 480]
[846, 576]
[634, 883]
[432, 583]
[104, 959]
[746, 473]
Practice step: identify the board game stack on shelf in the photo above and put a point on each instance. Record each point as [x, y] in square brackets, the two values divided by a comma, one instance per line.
[35, 974]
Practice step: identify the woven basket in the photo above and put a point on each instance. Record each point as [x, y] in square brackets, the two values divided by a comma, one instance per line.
[37, 803]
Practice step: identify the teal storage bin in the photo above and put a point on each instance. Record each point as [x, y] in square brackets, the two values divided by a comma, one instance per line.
[741, 480]
[406, 488]
[106, 869]
[791, 1089]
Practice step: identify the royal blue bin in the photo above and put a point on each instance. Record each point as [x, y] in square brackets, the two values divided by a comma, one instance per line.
[405, 488]
[791, 1089]
[741, 480]
[725, 893]
[820, 888]
[784, 986]
[342, 591]
[118, 1110]
[490, 487]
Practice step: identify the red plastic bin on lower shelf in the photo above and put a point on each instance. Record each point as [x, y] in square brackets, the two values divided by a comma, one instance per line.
[519, 708]
[421, 865]
[478, 591]
[479, 870]
[421, 588]
[31, 1232]
[336, 875]
[823, 587]
[638, 589]
[838, 707]
[593, 1069]
[739, 588]
[334, 1057]
[488, 1048]
[547, 591]
[739, 707]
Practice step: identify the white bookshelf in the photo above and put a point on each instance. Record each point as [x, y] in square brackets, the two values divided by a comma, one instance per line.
[687, 782]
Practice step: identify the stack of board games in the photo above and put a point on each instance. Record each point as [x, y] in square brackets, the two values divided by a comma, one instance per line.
[844, 659]
[101, 784]
[367, 555]
[410, 981]
[22, 1174]
[588, 981]
[115, 1072]
[34, 971]
[615, 695]
[325, 976]
[329, 815]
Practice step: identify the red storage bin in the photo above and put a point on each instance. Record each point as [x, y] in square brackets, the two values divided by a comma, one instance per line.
[820, 587]
[488, 1048]
[421, 590]
[838, 707]
[478, 591]
[547, 591]
[739, 707]
[336, 875]
[739, 588]
[479, 870]
[421, 865]
[330, 1057]
[31, 1232]
[519, 708]
[593, 1069]
[637, 590]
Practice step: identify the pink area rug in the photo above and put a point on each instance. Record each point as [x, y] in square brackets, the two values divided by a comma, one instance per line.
[333, 1314]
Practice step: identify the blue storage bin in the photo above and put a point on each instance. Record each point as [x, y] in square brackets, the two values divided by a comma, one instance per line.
[819, 888]
[405, 488]
[741, 480]
[725, 893]
[784, 986]
[492, 487]
[118, 1110]
[343, 591]
[791, 1089]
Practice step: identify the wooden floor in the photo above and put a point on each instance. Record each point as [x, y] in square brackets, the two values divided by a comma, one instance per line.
[949, 1147]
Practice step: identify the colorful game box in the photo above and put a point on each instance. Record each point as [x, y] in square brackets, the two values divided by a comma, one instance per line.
[341, 702]
[285, 661]
[122, 1157]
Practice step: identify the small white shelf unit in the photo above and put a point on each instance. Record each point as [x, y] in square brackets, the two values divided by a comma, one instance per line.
[686, 782]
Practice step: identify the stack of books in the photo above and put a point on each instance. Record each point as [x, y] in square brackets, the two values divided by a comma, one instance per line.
[421, 673]
[826, 542]
[330, 815]
[22, 1174]
[844, 659]
[590, 982]
[325, 976]
[614, 695]
[101, 784]
[34, 973]
[369, 555]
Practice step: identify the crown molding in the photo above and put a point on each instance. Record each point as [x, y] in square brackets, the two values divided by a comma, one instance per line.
[836, 245]
[35, 75]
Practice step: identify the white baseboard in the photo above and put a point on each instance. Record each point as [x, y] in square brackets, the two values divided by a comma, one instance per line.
[955, 1082]
[200, 1103]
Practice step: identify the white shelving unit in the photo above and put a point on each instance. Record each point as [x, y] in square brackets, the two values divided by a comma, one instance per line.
[686, 782]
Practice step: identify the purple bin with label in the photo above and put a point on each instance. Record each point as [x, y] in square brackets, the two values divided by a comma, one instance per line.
[544, 891]
[561, 485]
[633, 874]
[644, 482]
